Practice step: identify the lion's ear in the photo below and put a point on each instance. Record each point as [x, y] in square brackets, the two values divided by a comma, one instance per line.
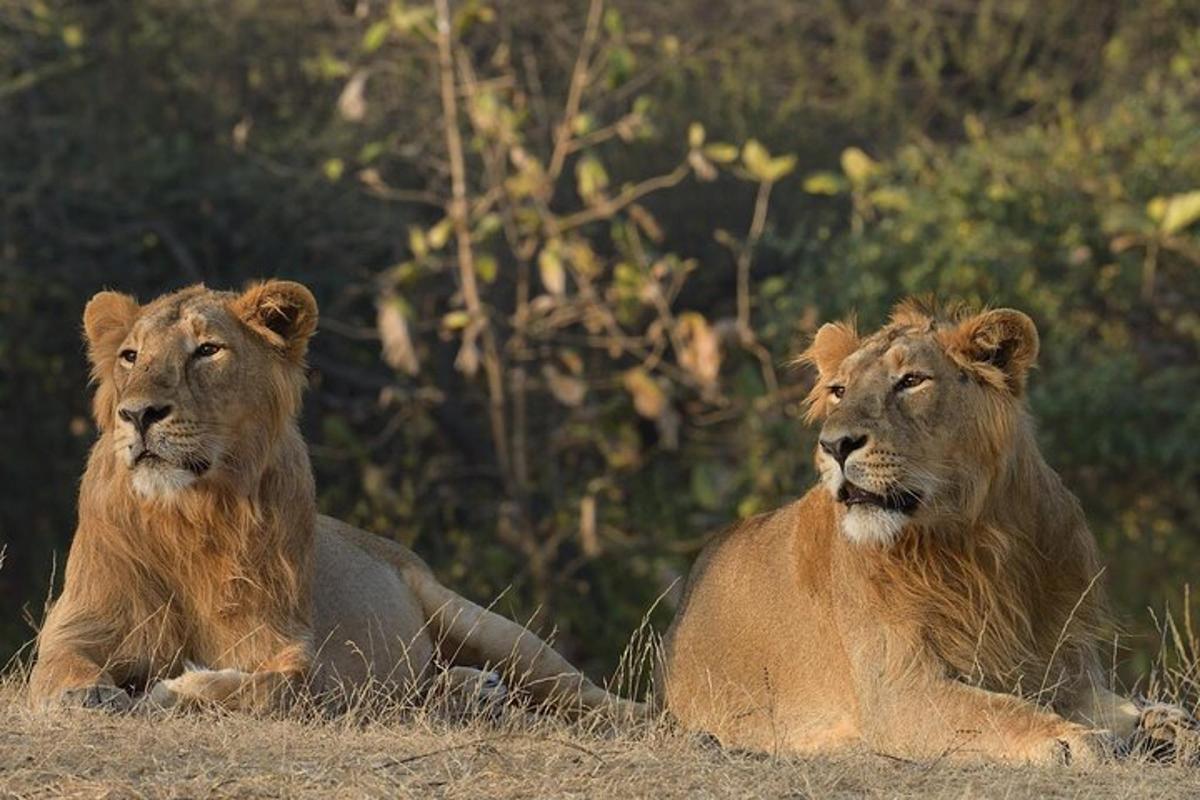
[998, 347]
[107, 319]
[830, 347]
[282, 312]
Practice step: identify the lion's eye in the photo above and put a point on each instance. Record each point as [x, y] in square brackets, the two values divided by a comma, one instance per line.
[837, 391]
[206, 350]
[910, 380]
[128, 356]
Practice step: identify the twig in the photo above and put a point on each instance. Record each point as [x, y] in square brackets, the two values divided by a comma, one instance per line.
[28, 80]
[745, 255]
[629, 195]
[757, 225]
[457, 211]
[579, 75]
[441, 751]
[493, 160]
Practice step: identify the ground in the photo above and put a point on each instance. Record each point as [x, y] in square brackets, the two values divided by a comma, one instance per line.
[93, 754]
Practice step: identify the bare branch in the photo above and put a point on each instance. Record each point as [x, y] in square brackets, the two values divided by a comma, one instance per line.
[626, 197]
[458, 212]
[579, 79]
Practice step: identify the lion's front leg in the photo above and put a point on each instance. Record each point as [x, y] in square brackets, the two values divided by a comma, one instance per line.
[68, 675]
[942, 718]
[72, 680]
[1098, 707]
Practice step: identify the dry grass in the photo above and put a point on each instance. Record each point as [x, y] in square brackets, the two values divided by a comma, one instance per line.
[422, 747]
[419, 754]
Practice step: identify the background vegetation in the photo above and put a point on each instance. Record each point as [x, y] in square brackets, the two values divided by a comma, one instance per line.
[565, 250]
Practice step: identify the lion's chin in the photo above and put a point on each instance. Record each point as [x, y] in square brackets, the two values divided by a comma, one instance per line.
[871, 525]
[160, 481]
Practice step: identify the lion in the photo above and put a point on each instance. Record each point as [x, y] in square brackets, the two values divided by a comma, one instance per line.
[201, 573]
[937, 595]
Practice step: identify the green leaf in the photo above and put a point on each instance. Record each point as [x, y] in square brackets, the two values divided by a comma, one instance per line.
[890, 198]
[456, 320]
[824, 183]
[551, 271]
[371, 151]
[439, 234]
[333, 169]
[582, 124]
[72, 36]
[590, 177]
[376, 35]
[1156, 208]
[417, 242]
[757, 160]
[857, 165]
[486, 268]
[780, 167]
[487, 225]
[407, 21]
[721, 152]
[1182, 210]
[612, 22]
[621, 64]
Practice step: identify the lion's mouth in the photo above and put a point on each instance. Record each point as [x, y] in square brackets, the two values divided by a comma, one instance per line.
[197, 465]
[148, 457]
[903, 500]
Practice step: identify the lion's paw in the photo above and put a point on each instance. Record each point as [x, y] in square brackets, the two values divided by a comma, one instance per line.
[473, 693]
[490, 693]
[100, 697]
[194, 687]
[1071, 746]
[1167, 732]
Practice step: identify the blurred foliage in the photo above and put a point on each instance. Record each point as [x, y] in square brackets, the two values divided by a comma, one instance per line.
[554, 388]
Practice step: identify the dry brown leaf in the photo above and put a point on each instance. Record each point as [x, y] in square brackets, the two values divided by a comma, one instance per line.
[700, 352]
[649, 399]
[568, 390]
[467, 361]
[352, 103]
[589, 542]
[398, 351]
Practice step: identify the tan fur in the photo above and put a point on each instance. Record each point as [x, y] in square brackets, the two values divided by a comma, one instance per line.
[966, 627]
[200, 570]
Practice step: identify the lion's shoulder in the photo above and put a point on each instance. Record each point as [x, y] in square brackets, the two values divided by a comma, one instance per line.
[795, 537]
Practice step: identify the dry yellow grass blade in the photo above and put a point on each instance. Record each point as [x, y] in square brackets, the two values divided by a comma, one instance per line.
[419, 753]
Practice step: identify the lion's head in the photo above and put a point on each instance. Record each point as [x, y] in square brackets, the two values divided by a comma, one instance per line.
[920, 417]
[197, 386]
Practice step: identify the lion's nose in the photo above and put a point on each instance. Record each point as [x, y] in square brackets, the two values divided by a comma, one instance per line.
[841, 447]
[142, 416]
